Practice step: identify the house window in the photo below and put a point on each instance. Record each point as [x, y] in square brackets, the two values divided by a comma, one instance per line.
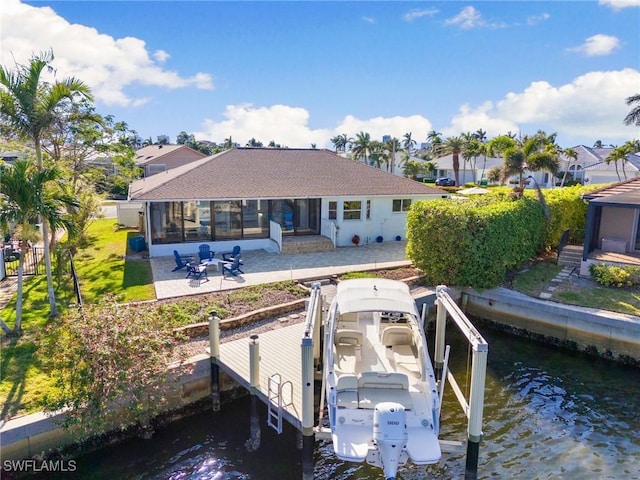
[352, 210]
[401, 205]
[333, 210]
[368, 217]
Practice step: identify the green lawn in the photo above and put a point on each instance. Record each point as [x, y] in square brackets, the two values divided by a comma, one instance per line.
[101, 267]
[576, 291]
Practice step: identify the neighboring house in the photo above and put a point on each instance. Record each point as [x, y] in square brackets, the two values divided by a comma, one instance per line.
[591, 166]
[613, 223]
[159, 158]
[253, 197]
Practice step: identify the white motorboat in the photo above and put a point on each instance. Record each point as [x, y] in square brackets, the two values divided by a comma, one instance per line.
[382, 397]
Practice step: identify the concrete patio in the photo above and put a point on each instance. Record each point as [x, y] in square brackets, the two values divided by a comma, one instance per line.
[264, 267]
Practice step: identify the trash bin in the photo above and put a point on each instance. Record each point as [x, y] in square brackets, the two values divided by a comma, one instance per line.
[137, 244]
[483, 183]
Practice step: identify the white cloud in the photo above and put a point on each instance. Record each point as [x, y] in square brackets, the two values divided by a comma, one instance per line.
[468, 18]
[289, 126]
[108, 65]
[369, 19]
[591, 106]
[618, 4]
[598, 45]
[161, 56]
[536, 19]
[411, 15]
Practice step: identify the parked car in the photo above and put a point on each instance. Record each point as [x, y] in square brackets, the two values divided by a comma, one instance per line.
[445, 182]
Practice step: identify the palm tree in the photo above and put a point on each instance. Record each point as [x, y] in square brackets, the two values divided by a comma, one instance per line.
[408, 143]
[28, 192]
[598, 144]
[30, 108]
[377, 154]
[453, 146]
[392, 146]
[340, 142]
[535, 153]
[618, 153]
[362, 147]
[633, 117]
[571, 154]
[434, 139]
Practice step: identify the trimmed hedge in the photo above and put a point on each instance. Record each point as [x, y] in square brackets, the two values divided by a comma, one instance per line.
[473, 242]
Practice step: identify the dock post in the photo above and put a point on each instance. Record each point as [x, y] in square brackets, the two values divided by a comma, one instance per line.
[214, 354]
[476, 406]
[441, 325]
[254, 364]
[308, 436]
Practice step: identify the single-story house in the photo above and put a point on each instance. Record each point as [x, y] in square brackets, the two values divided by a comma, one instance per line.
[255, 197]
[160, 158]
[613, 224]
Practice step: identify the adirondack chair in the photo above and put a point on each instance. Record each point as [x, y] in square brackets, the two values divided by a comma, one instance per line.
[204, 252]
[232, 267]
[229, 256]
[181, 260]
[196, 270]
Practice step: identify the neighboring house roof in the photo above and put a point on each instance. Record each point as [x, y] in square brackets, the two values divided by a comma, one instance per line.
[154, 153]
[241, 173]
[626, 193]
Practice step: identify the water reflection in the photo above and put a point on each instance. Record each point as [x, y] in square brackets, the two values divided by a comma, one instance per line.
[549, 414]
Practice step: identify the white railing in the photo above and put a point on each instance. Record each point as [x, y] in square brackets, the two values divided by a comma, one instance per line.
[328, 229]
[275, 233]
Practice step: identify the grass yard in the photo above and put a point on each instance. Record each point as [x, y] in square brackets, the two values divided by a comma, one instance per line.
[101, 267]
[576, 291]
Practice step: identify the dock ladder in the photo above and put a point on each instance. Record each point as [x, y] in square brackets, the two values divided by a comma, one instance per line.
[276, 402]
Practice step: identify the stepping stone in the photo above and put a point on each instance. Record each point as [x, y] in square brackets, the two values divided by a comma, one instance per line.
[545, 295]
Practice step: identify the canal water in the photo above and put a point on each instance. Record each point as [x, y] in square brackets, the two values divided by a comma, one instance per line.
[549, 414]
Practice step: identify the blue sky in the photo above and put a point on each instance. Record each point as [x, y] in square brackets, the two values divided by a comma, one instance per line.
[300, 72]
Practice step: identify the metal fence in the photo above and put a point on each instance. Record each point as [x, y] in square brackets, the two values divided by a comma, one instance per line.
[33, 264]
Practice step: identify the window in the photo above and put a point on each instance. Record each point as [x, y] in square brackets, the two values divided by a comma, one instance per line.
[401, 205]
[352, 210]
[368, 214]
[333, 210]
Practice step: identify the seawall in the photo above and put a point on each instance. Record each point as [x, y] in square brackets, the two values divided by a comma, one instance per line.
[611, 335]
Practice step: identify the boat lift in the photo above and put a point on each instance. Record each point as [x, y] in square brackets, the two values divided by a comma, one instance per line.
[474, 408]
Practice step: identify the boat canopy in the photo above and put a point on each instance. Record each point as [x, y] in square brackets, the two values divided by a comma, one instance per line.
[375, 295]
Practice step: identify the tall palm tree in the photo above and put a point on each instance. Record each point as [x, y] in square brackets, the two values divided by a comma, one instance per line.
[408, 143]
[377, 154]
[435, 139]
[28, 192]
[633, 117]
[362, 147]
[598, 144]
[572, 155]
[392, 147]
[453, 146]
[30, 107]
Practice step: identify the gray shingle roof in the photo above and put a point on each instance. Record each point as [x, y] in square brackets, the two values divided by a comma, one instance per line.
[262, 173]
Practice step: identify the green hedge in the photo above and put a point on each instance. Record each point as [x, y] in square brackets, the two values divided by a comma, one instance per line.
[473, 242]
[568, 212]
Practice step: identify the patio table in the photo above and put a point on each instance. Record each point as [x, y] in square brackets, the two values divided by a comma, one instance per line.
[212, 261]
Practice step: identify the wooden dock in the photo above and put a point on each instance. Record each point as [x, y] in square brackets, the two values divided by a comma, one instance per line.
[280, 353]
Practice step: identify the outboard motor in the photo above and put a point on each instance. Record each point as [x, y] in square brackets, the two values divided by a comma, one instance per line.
[390, 435]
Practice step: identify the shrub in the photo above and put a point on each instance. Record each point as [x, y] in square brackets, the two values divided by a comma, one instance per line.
[615, 276]
[473, 243]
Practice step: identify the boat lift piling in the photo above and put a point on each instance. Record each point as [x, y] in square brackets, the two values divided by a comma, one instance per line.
[310, 355]
[214, 354]
[474, 409]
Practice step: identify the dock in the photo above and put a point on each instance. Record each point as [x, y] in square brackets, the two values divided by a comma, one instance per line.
[280, 354]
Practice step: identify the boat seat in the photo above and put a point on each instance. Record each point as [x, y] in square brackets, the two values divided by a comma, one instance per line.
[393, 380]
[346, 336]
[347, 391]
[397, 335]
